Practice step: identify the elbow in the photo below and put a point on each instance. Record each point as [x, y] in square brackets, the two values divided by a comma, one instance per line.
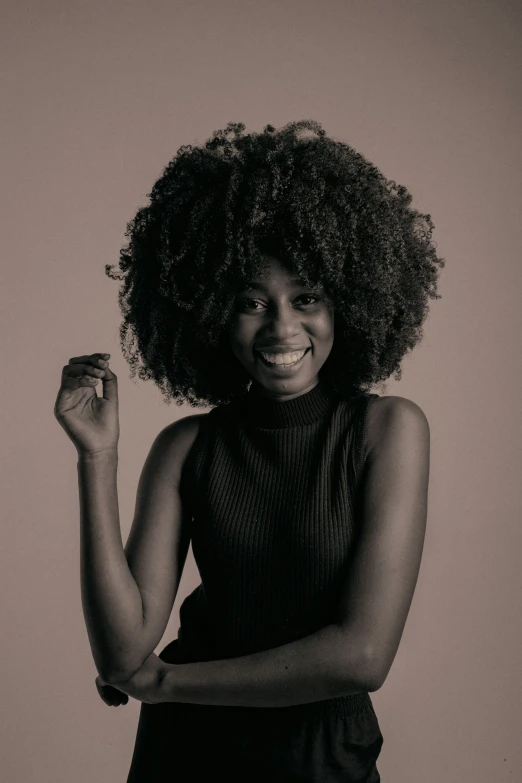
[375, 671]
[373, 681]
[116, 675]
[367, 674]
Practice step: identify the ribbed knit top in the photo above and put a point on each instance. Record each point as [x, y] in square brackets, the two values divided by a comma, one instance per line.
[272, 488]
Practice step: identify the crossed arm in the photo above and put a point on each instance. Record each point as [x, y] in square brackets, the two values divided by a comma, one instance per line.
[355, 653]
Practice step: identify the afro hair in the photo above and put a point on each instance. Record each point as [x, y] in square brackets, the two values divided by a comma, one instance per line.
[310, 201]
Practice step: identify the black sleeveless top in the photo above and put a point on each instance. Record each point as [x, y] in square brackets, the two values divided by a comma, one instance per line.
[273, 491]
[272, 488]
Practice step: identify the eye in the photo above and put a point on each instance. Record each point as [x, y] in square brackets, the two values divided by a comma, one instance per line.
[247, 304]
[310, 296]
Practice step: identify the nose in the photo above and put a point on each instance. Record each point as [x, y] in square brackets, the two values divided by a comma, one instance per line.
[283, 322]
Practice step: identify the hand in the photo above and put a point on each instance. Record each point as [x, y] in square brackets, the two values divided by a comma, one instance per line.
[109, 694]
[90, 421]
[143, 685]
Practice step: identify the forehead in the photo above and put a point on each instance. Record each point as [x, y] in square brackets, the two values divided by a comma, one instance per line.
[272, 270]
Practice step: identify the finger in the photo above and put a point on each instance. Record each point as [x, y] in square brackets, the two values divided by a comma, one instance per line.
[119, 697]
[76, 370]
[71, 384]
[110, 385]
[106, 700]
[105, 694]
[112, 696]
[89, 357]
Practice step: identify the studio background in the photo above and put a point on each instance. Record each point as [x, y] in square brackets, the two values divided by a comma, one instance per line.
[96, 98]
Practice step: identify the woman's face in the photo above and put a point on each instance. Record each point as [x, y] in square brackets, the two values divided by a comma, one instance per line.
[282, 332]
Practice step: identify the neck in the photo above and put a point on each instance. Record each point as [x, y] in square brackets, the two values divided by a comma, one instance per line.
[281, 396]
[301, 409]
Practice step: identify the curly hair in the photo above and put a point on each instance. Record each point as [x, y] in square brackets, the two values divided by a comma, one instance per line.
[310, 201]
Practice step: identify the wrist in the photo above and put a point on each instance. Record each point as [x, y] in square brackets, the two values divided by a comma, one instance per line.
[98, 455]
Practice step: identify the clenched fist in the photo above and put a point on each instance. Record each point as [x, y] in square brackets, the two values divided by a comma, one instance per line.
[91, 421]
[110, 695]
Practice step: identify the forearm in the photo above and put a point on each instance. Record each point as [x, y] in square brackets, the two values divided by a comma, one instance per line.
[321, 666]
[111, 599]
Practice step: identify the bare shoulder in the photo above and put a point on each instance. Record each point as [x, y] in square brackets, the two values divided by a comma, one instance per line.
[175, 441]
[392, 420]
[184, 429]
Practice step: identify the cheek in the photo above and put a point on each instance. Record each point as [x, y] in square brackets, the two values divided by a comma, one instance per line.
[240, 337]
[325, 326]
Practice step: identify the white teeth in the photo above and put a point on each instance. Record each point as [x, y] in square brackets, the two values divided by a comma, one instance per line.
[282, 358]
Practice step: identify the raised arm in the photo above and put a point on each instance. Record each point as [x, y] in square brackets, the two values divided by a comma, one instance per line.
[127, 595]
[355, 653]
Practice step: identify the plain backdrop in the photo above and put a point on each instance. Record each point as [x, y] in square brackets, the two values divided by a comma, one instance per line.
[96, 98]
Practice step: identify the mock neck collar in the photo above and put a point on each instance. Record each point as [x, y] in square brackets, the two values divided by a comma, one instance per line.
[272, 414]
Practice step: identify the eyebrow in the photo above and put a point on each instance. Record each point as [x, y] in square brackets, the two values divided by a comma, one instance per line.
[259, 284]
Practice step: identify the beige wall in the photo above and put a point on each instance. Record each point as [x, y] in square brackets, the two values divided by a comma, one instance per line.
[98, 96]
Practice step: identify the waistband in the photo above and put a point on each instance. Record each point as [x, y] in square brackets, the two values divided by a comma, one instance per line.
[341, 706]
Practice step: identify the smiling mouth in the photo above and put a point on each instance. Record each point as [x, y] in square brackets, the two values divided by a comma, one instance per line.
[282, 361]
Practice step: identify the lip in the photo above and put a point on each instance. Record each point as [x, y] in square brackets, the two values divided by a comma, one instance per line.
[289, 348]
[280, 367]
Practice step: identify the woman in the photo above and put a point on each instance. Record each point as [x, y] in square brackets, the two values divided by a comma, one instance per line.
[275, 277]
